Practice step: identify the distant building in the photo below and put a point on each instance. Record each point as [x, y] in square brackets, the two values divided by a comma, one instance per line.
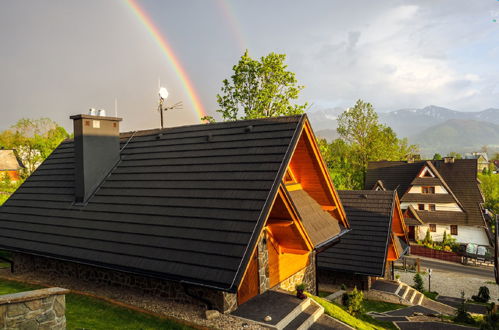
[481, 157]
[436, 195]
[10, 165]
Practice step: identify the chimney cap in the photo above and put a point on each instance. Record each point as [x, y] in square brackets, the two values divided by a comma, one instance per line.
[82, 116]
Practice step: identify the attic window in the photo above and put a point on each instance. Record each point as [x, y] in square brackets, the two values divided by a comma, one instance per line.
[427, 173]
[421, 207]
[428, 190]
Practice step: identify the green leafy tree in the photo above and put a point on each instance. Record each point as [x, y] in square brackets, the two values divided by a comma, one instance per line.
[437, 156]
[456, 155]
[368, 140]
[427, 239]
[489, 183]
[259, 88]
[33, 140]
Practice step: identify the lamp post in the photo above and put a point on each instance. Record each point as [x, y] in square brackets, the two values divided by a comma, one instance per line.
[429, 279]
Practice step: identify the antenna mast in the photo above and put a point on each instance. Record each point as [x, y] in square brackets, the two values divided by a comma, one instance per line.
[163, 95]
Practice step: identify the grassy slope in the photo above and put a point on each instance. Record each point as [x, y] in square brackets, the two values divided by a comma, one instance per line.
[89, 313]
[363, 322]
[379, 306]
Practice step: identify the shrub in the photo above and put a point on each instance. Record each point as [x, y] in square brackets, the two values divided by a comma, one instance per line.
[343, 287]
[427, 239]
[483, 295]
[491, 320]
[353, 301]
[462, 315]
[300, 287]
[397, 277]
[418, 282]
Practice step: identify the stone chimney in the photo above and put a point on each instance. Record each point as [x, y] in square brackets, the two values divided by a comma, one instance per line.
[449, 160]
[97, 151]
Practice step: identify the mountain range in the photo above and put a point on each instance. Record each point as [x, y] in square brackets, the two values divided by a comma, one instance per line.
[433, 128]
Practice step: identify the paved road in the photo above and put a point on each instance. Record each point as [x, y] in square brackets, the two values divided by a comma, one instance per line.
[454, 267]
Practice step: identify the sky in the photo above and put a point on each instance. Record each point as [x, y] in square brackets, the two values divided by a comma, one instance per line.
[62, 57]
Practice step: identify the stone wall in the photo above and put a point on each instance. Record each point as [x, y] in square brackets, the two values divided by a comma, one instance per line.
[39, 309]
[306, 276]
[223, 301]
[263, 264]
[328, 277]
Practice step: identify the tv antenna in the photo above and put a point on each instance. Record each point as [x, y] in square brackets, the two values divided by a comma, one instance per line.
[163, 95]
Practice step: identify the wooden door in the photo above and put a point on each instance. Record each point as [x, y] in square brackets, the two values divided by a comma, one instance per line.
[411, 233]
[250, 285]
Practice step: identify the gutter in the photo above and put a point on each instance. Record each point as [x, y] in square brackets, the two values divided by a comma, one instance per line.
[324, 245]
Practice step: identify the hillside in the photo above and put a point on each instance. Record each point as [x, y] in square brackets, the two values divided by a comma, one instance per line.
[459, 135]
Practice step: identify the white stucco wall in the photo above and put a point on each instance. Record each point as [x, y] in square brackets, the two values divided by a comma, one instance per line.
[438, 206]
[466, 234]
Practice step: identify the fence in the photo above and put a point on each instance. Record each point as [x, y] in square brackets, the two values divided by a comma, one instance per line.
[435, 254]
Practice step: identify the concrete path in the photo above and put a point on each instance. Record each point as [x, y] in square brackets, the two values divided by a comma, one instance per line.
[406, 325]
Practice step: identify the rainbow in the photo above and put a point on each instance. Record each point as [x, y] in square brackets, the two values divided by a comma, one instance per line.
[170, 56]
[230, 16]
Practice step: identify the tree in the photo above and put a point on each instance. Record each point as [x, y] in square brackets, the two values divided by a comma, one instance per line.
[418, 282]
[437, 156]
[368, 140]
[33, 140]
[259, 89]
[455, 155]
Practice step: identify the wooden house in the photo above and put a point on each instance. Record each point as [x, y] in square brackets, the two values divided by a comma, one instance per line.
[10, 165]
[377, 238]
[217, 213]
[436, 196]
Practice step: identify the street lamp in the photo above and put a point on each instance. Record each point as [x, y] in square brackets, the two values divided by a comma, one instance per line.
[429, 279]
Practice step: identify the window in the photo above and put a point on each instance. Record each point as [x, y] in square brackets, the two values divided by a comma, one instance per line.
[421, 207]
[453, 229]
[428, 190]
[433, 228]
[431, 207]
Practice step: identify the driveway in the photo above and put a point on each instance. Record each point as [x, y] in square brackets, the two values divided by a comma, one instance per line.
[447, 266]
[449, 279]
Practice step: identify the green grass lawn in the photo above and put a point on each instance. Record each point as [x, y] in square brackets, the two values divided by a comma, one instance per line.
[84, 312]
[362, 322]
[380, 306]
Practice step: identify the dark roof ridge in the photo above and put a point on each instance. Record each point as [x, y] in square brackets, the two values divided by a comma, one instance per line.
[437, 173]
[211, 126]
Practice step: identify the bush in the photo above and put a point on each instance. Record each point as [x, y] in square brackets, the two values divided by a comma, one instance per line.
[343, 287]
[483, 295]
[418, 282]
[300, 287]
[353, 301]
[427, 239]
[491, 320]
[462, 315]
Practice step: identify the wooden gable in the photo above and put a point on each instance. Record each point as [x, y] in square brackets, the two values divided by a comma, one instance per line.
[311, 174]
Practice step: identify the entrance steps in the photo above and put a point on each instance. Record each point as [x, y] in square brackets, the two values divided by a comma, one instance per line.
[411, 297]
[287, 312]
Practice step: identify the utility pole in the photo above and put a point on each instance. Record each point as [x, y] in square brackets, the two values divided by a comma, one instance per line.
[496, 255]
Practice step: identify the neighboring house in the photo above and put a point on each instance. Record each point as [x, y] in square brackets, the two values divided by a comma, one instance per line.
[378, 237]
[482, 159]
[496, 164]
[436, 195]
[10, 165]
[214, 212]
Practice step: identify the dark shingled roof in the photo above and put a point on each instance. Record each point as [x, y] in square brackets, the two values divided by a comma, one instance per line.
[184, 205]
[460, 177]
[320, 225]
[363, 250]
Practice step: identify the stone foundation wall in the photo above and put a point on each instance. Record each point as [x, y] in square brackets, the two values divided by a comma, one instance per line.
[39, 309]
[306, 276]
[223, 301]
[362, 282]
